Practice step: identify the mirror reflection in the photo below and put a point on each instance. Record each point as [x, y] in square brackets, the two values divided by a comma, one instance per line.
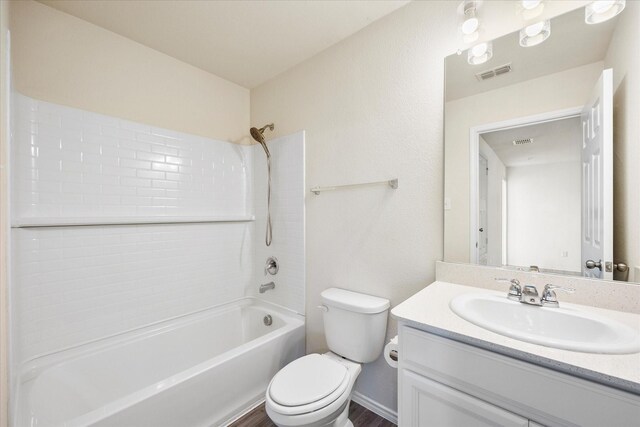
[541, 148]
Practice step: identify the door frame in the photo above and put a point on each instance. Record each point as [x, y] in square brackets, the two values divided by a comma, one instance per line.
[474, 154]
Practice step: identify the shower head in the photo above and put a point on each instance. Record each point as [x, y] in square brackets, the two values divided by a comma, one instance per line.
[258, 135]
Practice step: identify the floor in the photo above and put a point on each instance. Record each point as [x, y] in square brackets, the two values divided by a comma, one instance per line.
[359, 416]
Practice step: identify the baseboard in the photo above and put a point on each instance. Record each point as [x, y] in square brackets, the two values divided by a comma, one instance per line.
[375, 407]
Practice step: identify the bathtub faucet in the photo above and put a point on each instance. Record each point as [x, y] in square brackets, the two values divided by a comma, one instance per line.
[264, 288]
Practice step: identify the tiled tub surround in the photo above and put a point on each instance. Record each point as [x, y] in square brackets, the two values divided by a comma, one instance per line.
[72, 285]
[70, 163]
[287, 217]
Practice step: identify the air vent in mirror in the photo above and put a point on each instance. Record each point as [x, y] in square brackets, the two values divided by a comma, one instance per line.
[498, 71]
[522, 141]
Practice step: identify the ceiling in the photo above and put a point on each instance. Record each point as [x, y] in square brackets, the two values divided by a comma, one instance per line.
[556, 141]
[572, 43]
[246, 42]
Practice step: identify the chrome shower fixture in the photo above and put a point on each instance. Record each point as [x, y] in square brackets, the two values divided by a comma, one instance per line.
[258, 135]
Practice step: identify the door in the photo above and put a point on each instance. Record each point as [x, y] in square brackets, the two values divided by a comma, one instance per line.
[483, 195]
[597, 180]
[427, 403]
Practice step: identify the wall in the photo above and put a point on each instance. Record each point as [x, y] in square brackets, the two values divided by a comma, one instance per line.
[75, 284]
[497, 172]
[623, 57]
[287, 219]
[4, 210]
[539, 232]
[65, 60]
[557, 91]
[372, 109]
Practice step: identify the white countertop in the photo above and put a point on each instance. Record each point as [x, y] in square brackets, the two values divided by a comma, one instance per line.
[429, 310]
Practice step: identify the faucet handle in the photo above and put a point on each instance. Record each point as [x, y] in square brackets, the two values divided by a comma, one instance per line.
[515, 290]
[549, 296]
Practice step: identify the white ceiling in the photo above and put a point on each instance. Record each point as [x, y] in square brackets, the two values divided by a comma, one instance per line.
[556, 141]
[572, 43]
[246, 42]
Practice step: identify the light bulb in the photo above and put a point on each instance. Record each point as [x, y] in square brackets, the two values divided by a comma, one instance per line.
[602, 6]
[480, 53]
[530, 4]
[470, 25]
[534, 30]
[535, 34]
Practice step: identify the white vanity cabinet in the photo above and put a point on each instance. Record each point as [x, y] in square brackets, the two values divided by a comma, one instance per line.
[443, 382]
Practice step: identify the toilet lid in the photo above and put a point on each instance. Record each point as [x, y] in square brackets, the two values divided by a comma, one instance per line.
[307, 380]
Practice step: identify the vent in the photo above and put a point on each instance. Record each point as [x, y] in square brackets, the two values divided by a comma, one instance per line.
[522, 141]
[498, 71]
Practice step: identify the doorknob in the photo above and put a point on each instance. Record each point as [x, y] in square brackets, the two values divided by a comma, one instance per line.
[481, 229]
[621, 267]
[591, 264]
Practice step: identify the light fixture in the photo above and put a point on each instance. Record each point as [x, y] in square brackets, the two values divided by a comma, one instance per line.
[535, 34]
[470, 23]
[480, 53]
[531, 9]
[530, 4]
[602, 10]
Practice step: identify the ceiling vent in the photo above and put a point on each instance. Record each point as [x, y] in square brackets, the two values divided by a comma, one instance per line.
[498, 71]
[523, 141]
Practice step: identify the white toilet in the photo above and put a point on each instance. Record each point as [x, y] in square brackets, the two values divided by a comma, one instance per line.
[315, 390]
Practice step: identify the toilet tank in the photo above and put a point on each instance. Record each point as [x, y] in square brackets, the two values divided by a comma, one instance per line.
[355, 324]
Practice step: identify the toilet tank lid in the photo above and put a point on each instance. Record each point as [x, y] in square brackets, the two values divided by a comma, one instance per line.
[354, 301]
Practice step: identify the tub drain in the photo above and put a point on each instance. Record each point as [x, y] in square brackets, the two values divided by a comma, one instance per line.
[268, 320]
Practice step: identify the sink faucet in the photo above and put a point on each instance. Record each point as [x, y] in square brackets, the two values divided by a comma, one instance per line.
[264, 288]
[529, 293]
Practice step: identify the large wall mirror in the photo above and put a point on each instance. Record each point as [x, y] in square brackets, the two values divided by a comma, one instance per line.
[542, 149]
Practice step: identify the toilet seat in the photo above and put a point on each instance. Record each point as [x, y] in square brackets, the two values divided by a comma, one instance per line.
[308, 384]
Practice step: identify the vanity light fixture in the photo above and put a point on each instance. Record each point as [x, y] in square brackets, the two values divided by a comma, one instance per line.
[480, 53]
[470, 21]
[535, 34]
[531, 8]
[602, 10]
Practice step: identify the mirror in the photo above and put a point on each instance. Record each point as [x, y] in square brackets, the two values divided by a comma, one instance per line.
[542, 150]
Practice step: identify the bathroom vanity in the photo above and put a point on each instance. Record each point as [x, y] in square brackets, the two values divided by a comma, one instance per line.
[454, 373]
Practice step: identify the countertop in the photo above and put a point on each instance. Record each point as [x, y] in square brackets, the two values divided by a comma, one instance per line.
[429, 311]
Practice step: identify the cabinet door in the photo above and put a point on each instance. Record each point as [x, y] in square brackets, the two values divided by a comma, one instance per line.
[426, 403]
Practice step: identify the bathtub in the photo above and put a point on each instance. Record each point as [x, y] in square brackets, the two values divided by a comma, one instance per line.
[203, 369]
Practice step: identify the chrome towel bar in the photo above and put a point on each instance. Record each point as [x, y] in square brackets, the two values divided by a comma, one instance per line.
[393, 183]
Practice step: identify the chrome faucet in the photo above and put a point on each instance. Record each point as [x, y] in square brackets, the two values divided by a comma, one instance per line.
[264, 288]
[529, 293]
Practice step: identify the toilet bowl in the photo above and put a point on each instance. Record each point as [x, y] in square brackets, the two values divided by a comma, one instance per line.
[315, 390]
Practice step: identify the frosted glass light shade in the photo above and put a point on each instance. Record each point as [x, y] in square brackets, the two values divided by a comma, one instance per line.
[602, 10]
[535, 34]
[480, 53]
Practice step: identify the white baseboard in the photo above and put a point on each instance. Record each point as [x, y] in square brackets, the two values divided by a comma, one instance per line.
[375, 407]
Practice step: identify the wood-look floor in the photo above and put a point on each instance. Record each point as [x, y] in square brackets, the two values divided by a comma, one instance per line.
[359, 416]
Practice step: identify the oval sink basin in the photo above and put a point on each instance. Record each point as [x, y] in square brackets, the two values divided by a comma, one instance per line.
[565, 327]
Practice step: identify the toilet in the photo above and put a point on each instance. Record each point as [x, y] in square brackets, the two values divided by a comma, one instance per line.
[315, 390]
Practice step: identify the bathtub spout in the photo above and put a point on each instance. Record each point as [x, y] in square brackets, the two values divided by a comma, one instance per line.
[264, 288]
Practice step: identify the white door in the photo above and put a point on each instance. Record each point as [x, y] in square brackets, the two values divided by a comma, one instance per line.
[483, 196]
[597, 179]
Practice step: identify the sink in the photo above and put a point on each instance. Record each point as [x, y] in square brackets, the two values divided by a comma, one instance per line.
[566, 327]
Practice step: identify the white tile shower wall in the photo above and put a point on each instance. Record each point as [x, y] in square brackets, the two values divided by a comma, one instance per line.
[73, 163]
[287, 212]
[75, 284]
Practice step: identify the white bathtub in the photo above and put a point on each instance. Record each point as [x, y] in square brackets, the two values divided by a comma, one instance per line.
[203, 369]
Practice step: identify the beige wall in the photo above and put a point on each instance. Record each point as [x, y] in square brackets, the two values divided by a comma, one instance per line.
[372, 108]
[4, 210]
[566, 89]
[624, 57]
[63, 59]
